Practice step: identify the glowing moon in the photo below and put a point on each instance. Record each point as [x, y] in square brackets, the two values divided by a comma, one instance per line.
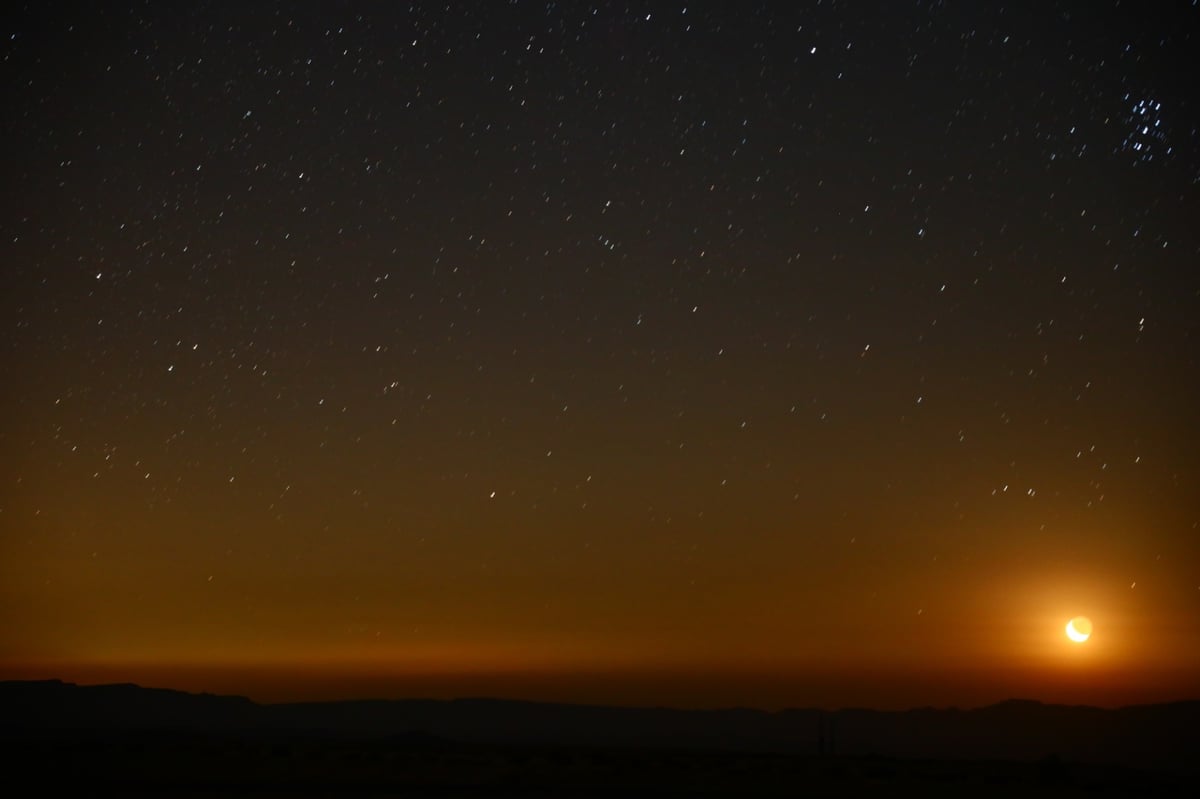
[1079, 629]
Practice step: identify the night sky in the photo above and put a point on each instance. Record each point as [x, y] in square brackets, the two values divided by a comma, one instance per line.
[749, 353]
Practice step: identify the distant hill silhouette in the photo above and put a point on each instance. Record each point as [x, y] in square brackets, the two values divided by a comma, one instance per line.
[1164, 737]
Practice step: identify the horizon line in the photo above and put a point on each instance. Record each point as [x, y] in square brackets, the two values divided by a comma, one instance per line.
[579, 704]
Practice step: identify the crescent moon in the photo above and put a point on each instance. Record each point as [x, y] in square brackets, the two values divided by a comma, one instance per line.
[1079, 635]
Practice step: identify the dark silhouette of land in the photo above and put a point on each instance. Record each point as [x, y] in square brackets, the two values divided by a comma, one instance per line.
[128, 738]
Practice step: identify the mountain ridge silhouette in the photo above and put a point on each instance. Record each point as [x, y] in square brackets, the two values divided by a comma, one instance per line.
[1160, 737]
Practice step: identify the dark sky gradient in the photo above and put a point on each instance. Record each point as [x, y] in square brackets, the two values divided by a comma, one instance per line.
[627, 352]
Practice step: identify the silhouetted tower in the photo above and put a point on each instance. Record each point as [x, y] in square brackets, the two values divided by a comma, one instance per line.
[826, 727]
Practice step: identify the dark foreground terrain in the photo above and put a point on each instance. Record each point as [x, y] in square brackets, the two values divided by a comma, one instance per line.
[124, 740]
[190, 766]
